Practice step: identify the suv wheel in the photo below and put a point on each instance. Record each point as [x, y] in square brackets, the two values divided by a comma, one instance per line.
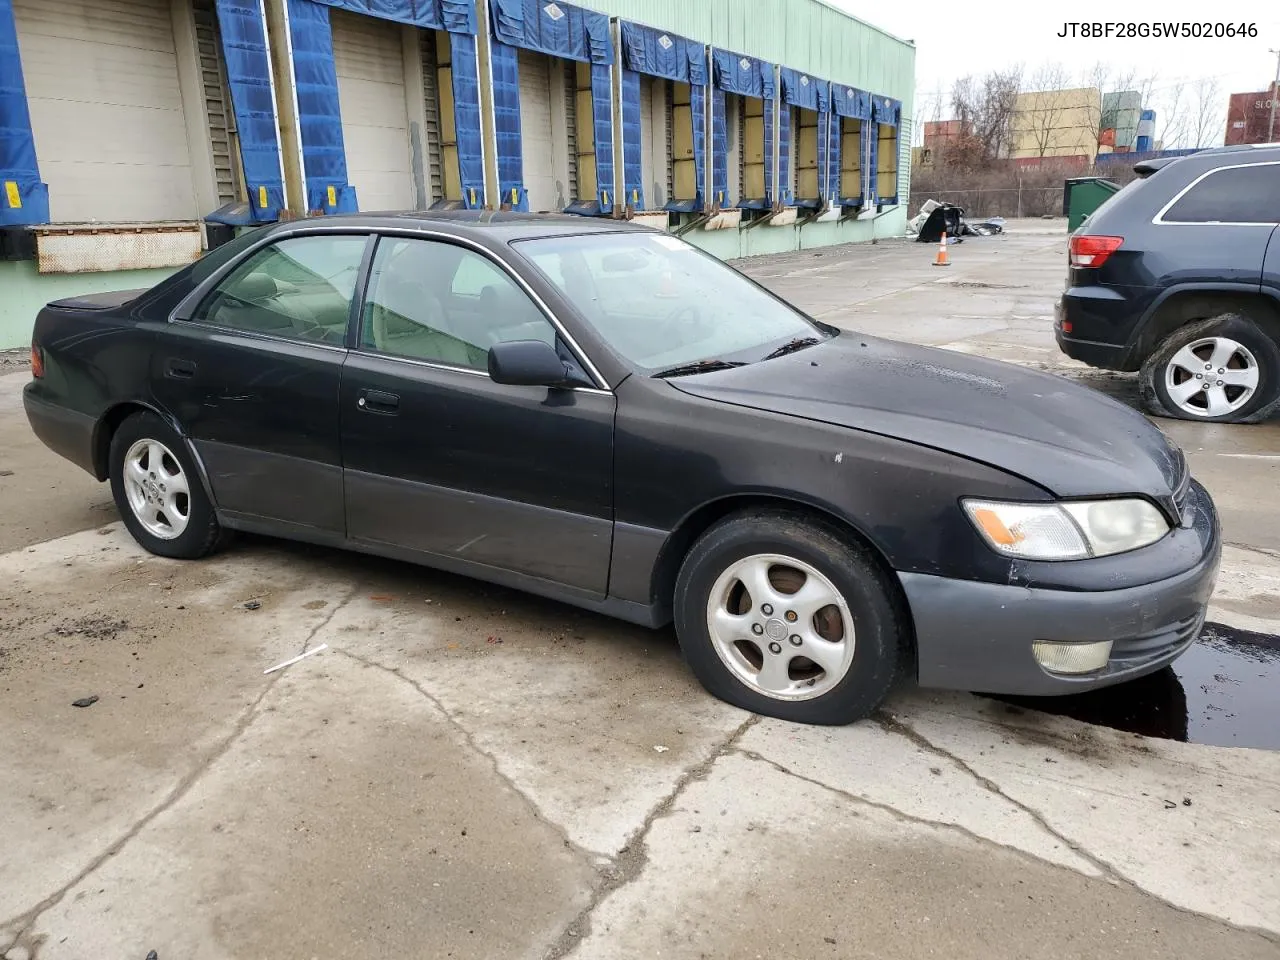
[1223, 370]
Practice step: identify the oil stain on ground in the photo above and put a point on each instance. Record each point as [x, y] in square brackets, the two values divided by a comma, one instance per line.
[1222, 691]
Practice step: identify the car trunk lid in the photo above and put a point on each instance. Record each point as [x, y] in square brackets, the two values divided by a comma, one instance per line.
[98, 301]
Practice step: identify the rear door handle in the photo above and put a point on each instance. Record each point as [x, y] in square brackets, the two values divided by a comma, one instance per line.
[378, 401]
[176, 369]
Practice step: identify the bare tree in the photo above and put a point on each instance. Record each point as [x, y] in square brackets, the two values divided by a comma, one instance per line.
[1208, 121]
[984, 107]
[1171, 115]
[1043, 109]
[928, 109]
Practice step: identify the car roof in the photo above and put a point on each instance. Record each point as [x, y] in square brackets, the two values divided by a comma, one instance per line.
[500, 225]
[1212, 156]
[1242, 147]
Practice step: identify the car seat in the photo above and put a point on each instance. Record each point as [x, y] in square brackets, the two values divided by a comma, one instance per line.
[406, 319]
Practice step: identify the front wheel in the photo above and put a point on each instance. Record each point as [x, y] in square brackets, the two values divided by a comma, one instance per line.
[787, 617]
[157, 491]
[1223, 370]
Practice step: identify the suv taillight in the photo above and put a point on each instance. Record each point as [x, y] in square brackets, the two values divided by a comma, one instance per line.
[1092, 252]
[37, 361]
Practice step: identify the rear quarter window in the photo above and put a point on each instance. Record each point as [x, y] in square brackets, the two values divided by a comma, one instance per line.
[1242, 194]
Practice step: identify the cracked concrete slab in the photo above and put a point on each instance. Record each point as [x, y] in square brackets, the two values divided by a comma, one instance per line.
[751, 862]
[881, 767]
[1158, 813]
[159, 643]
[592, 720]
[348, 817]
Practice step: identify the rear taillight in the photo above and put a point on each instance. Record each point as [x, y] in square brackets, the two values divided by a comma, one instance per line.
[37, 361]
[1092, 252]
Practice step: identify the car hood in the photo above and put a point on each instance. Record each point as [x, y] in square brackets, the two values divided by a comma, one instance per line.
[1066, 438]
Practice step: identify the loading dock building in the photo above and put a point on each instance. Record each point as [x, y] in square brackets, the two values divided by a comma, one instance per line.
[134, 134]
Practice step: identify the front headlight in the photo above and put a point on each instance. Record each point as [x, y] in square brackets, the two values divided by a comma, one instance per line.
[1067, 531]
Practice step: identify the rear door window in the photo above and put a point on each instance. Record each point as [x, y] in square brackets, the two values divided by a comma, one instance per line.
[1243, 194]
[299, 288]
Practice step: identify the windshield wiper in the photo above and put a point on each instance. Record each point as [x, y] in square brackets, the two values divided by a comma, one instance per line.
[700, 366]
[791, 346]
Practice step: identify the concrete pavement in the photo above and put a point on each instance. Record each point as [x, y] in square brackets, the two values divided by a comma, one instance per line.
[464, 771]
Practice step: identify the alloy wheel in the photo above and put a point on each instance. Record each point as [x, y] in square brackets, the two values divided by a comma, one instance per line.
[1211, 377]
[157, 488]
[781, 627]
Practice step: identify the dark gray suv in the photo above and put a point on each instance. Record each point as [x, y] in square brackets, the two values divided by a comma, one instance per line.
[1178, 275]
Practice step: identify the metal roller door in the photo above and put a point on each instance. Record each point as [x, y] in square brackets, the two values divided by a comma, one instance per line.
[106, 109]
[535, 130]
[655, 142]
[431, 115]
[368, 55]
[647, 133]
[569, 165]
[223, 142]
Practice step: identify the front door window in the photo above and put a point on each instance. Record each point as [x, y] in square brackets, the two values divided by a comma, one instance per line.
[445, 304]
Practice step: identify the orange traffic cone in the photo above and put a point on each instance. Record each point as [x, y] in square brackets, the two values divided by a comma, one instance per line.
[941, 259]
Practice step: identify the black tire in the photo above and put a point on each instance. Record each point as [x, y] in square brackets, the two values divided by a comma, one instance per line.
[1260, 406]
[880, 620]
[202, 534]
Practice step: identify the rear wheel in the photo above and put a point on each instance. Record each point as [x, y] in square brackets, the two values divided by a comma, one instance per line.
[786, 617]
[157, 491]
[1223, 370]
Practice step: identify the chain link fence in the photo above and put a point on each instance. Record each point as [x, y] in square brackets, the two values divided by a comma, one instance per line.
[1006, 193]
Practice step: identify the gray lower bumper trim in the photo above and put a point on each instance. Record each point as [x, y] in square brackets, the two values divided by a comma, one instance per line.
[978, 636]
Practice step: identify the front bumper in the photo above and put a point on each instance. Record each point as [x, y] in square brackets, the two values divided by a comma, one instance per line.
[978, 636]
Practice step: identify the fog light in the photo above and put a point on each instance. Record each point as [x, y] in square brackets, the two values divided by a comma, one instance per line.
[1071, 657]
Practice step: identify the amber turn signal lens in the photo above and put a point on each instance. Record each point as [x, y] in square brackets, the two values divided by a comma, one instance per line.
[995, 529]
[37, 361]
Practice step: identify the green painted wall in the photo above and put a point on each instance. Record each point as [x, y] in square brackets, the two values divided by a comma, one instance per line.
[806, 35]
[23, 292]
[764, 240]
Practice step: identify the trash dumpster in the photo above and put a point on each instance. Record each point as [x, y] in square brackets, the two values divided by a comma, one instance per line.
[1083, 195]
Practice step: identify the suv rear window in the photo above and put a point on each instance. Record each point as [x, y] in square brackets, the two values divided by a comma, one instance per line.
[1245, 194]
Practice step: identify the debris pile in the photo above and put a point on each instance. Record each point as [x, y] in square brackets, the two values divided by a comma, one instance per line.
[935, 219]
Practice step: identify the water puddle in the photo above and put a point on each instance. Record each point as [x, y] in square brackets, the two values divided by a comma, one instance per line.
[1224, 691]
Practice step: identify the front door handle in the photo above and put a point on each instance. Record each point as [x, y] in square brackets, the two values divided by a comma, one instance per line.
[176, 369]
[378, 401]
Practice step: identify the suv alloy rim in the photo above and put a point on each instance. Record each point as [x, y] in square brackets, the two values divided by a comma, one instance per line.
[1211, 377]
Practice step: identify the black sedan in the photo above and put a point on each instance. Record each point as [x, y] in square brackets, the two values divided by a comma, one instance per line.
[605, 415]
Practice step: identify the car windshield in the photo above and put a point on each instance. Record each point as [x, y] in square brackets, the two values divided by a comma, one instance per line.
[665, 306]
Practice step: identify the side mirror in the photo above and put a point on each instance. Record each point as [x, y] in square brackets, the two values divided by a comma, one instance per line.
[527, 363]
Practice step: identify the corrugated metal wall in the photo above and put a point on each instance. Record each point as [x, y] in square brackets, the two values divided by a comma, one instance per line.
[904, 162]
